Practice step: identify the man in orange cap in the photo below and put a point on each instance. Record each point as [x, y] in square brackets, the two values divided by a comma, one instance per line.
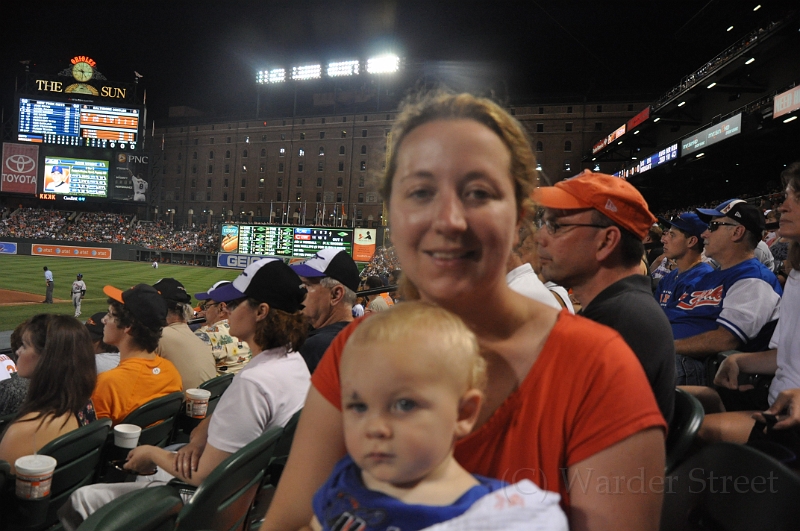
[590, 240]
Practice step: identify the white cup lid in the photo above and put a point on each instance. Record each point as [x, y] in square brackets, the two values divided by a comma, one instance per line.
[35, 464]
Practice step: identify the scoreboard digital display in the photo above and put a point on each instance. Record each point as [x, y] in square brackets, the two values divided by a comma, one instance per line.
[716, 133]
[75, 177]
[284, 240]
[77, 124]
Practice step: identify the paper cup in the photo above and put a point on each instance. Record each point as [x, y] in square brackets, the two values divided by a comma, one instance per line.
[34, 476]
[197, 403]
[126, 435]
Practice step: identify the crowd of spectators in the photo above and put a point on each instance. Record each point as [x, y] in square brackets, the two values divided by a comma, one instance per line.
[96, 227]
[160, 235]
[37, 223]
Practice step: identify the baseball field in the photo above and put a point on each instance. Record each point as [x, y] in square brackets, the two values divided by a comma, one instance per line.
[22, 285]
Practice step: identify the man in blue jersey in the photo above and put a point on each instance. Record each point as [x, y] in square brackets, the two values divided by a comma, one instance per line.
[683, 243]
[735, 307]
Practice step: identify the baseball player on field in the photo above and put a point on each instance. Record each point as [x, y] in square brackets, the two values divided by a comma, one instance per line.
[78, 292]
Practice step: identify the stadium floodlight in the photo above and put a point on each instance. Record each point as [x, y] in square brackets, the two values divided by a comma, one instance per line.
[729, 28]
[262, 76]
[757, 7]
[681, 104]
[712, 85]
[699, 155]
[749, 61]
[343, 68]
[302, 73]
[277, 75]
[657, 119]
[383, 64]
[790, 119]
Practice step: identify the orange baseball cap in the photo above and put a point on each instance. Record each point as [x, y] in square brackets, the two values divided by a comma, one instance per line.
[613, 197]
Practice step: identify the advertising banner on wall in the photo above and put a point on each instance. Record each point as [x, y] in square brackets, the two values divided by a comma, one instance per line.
[364, 244]
[240, 261]
[71, 251]
[20, 165]
[128, 178]
[8, 248]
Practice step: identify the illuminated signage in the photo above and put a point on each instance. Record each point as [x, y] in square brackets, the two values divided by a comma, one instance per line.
[786, 102]
[639, 118]
[283, 240]
[20, 168]
[616, 134]
[712, 135]
[75, 177]
[599, 146]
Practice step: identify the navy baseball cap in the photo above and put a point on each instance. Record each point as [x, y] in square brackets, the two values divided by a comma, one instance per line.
[144, 302]
[172, 290]
[688, 222]
[205, 295]
[333, 263]
[267, 280]
[747, 215]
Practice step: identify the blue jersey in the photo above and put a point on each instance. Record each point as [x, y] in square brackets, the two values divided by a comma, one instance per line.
[744, 299]
[676, 282]
[343, 503]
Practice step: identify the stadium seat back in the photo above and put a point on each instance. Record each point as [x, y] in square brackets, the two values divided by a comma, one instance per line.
[686, 421]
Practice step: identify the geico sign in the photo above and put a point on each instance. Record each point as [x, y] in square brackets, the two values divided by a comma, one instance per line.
[14, 178]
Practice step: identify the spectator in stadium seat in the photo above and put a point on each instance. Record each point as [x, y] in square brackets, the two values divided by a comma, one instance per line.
[380, 301]
[331, 278]
[178, 344]
[738, 403]
[106, 356]
[591, 242]
[133, 324]
[567, 396]
[735, 307]
[521, 276]
[13, 388]
[230, 353]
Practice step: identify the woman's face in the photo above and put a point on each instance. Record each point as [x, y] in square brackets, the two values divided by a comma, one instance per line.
[243, 319]
[27, 357]
[452, 209]
[790, 216]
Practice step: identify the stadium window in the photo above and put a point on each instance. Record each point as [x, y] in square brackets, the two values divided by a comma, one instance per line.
[228, 154]
[261, 183]
[247, 138]
[568, 126]
[630, 106]
[177, 195]
[208, 196]
[241, 196]
[599, 108]
[210, 168]
[302, 136]
[303, 121]
[344, 134]
[359, 214]
[363, 165]
[260, 198]
[263, 152]
[281, 152]
[262, 168]
[180, 156]
[211, 140]
[194, 155]
[263, 138]
[361, 181]
[344, 118]
[319, 181]
[339, 182]
[540, 128]
[323, 120]
[299, 166]
[280, 182]
[321, 151]
[284, 122]
[225, 196]
[244, 153]
[541, 110]
[225, 183]
[539, 146]
[210, 154]
[363, 150]
[279, 197]
[244, 168]
[228, 140]
[569, 109]
[341, 166]
[339, 197]
[388, 116]
[364, 133]
[567, 165]
[320, 166]
[301, 152]
[321, 135]
[244, 182]
[179, 168]
[280, 167]
[319, 197]
[194, 168]
[208, 183]
[299, 182]
[341, 150]
[361, 198]
[283, 135]
[568, 145]
[299, 196]
[598, 126]
[365, 118]
[227, 168]
[196, 140]
[194, 183]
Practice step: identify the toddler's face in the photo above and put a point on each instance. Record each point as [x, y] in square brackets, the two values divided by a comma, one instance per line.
[400, 409]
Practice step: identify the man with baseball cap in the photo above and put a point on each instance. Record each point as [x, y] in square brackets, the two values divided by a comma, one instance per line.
[735, 307]
[590, 240]
[230, 353]
[331, 278]
[133, 324]
[178, 343]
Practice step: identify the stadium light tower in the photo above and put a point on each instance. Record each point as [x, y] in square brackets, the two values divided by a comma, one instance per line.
[305, 72]
[383, 64]
[343, 68]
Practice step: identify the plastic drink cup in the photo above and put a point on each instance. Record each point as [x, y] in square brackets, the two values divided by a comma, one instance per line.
[197, 403]
[34, 476]
[126, 435]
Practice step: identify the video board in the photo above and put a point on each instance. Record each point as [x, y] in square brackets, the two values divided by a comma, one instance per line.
[78, 124]
[283, 240]
[75, 177]
[716, 133]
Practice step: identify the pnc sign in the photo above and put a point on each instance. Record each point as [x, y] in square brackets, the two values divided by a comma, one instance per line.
[20, 164]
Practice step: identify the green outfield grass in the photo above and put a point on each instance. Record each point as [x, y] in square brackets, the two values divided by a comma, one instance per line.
[24, 273]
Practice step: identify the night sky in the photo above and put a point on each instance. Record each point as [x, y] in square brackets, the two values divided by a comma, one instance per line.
[204, 54]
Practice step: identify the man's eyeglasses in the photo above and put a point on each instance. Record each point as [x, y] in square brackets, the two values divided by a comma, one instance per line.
[206, 306]
[553, 227]
[714, 225]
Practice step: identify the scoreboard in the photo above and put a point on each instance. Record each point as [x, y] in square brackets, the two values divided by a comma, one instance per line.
[77, 124]
[284, 240]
